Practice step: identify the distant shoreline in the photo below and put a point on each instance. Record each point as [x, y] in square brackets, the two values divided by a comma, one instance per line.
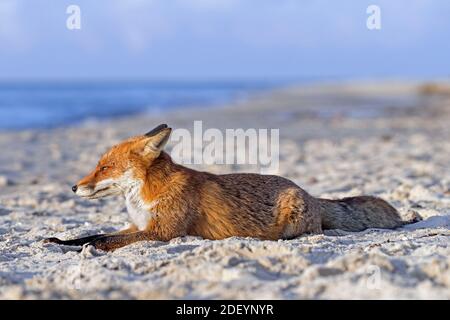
[324, 99]
[47, 105]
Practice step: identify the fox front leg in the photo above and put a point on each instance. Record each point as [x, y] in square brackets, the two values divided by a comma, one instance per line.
[112, 242]
[84, 240]
[74, 242]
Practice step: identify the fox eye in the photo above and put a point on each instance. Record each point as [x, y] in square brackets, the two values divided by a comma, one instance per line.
[103, 168]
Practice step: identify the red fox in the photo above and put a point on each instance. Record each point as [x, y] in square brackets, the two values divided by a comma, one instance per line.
[166, 200]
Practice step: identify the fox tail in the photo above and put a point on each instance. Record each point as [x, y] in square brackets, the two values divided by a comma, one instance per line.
[360, 213]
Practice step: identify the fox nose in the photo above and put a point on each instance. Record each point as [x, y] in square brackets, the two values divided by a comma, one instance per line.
[75, 188]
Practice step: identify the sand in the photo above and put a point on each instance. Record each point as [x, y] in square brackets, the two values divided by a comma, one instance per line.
[386, 139]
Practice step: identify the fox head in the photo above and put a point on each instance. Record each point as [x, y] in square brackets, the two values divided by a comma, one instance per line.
[123, 165]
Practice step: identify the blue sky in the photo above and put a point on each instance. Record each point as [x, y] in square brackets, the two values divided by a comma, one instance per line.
[223, 39]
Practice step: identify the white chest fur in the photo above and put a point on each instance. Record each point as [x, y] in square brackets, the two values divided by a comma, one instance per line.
[140, 212]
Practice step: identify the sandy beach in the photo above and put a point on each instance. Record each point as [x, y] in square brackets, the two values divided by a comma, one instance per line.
[390, 140]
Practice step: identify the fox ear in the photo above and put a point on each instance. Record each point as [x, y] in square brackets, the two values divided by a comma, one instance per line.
[156, 139]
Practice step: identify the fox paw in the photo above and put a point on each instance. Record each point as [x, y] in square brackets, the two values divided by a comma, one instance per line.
[100, 244]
